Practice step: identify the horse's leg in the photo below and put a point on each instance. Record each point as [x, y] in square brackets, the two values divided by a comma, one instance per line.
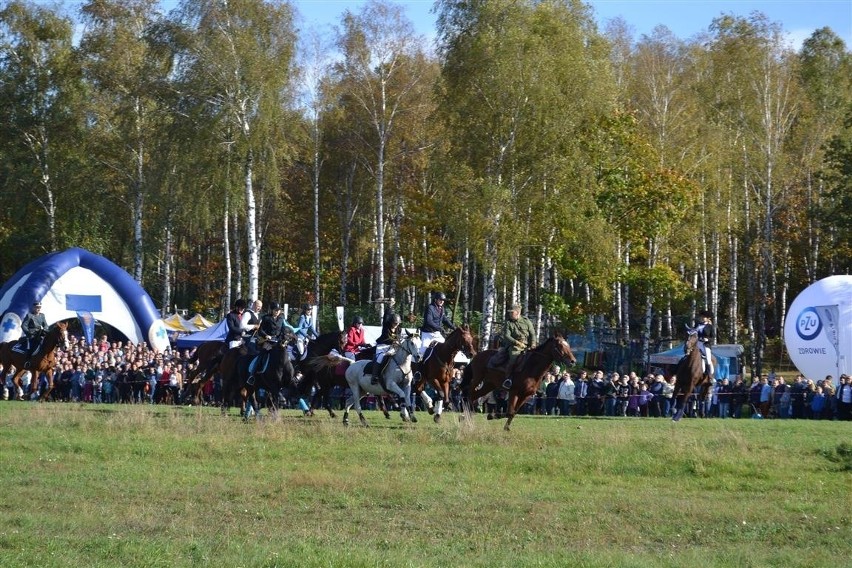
[16, 382]
[403, 401]
[49, 389]
[680, 399]
[516, 401]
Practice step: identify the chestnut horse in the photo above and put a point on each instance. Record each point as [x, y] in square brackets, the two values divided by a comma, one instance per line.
[479, 379]
[43, 361]
[437, 368]
[689, 375]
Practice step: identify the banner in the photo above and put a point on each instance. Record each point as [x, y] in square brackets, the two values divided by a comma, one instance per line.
[340, 318]
[87, 320]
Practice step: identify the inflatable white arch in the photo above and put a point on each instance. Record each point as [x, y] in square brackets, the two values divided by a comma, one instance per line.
[818, 330]
[77, 280]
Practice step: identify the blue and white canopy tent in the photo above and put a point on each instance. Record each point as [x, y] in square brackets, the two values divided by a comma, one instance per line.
[77, 281]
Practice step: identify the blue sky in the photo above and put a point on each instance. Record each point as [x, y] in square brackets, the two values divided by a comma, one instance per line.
[684, 18]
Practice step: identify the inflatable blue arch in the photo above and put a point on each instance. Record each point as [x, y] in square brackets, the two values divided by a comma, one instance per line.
[77, 280]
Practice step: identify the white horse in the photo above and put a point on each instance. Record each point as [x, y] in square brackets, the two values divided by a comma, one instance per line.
[397, 379]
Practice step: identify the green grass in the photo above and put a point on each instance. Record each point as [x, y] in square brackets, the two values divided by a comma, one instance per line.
[161, 486]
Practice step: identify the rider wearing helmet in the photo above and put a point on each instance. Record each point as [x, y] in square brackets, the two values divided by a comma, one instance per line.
[434, 320]
[236, 327]
[305, 327]
[706, 337]
[355, 338]
[33, 327]
[273, 324]
[391, 328]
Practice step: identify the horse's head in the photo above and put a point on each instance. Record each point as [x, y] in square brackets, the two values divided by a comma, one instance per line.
[561, 350]
[464, 341]
[62, 335]
[300, 345]
[691, 340]
[410, 345]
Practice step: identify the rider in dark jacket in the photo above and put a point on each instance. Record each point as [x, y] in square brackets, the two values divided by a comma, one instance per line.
[33, 327]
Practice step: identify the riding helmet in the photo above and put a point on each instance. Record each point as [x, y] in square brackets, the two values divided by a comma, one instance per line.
[357, 320]
[274, 306]
[705, 314]
[240, 304]
[305, 307]
[439, 296]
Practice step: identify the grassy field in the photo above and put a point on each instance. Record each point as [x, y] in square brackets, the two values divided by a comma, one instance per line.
[162, 486]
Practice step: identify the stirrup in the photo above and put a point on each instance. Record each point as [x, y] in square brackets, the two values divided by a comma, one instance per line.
[250, 381]
[507, 384]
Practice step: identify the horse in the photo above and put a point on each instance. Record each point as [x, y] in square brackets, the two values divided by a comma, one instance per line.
[436, 368]
[42, 361]
[208, 355]
[690, 374]
[479, 379]
[276, 374]
[396, 378]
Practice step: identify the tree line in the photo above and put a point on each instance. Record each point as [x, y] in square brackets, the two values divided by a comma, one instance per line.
[610, 184]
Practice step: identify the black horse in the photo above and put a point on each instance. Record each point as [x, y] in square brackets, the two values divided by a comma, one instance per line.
[272, 372]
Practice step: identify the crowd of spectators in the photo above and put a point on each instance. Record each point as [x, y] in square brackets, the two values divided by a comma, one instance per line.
[116, 372]
[595, 393]
[108, 372]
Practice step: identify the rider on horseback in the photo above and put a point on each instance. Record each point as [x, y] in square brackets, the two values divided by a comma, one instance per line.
[434, 320]
[236, 326]
[34, 327]
[518, 335]
[388, 337]
[706, 337]
[305, 326]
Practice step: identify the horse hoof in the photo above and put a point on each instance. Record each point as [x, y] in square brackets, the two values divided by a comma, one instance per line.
[431, 410]
[490, 417]
[437, 418]
[413, 418]
[506, 428]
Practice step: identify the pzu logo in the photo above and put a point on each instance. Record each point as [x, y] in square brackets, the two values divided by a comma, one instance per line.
[808, 325]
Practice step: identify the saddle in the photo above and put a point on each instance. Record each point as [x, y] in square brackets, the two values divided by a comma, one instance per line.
[499, 360]
[259, 364]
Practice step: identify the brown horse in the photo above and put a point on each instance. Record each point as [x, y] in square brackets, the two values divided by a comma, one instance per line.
[479, 379]
[689, 375]
[437, 368]
[43, 361]
[208, 355]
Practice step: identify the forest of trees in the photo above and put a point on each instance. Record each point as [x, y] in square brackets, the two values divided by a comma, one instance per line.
[610, 184]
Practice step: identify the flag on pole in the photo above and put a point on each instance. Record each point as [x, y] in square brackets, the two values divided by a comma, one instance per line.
[87, 320]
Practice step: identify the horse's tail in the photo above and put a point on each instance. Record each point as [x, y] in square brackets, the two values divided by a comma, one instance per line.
[467, 377]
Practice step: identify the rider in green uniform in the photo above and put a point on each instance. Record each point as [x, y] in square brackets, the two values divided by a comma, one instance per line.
[518, 335]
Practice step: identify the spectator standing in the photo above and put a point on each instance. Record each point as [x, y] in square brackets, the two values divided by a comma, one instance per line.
[724, 394]
[844, 398]
[551, 393]
[566, 395]
[817, 404]
[581, 392]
